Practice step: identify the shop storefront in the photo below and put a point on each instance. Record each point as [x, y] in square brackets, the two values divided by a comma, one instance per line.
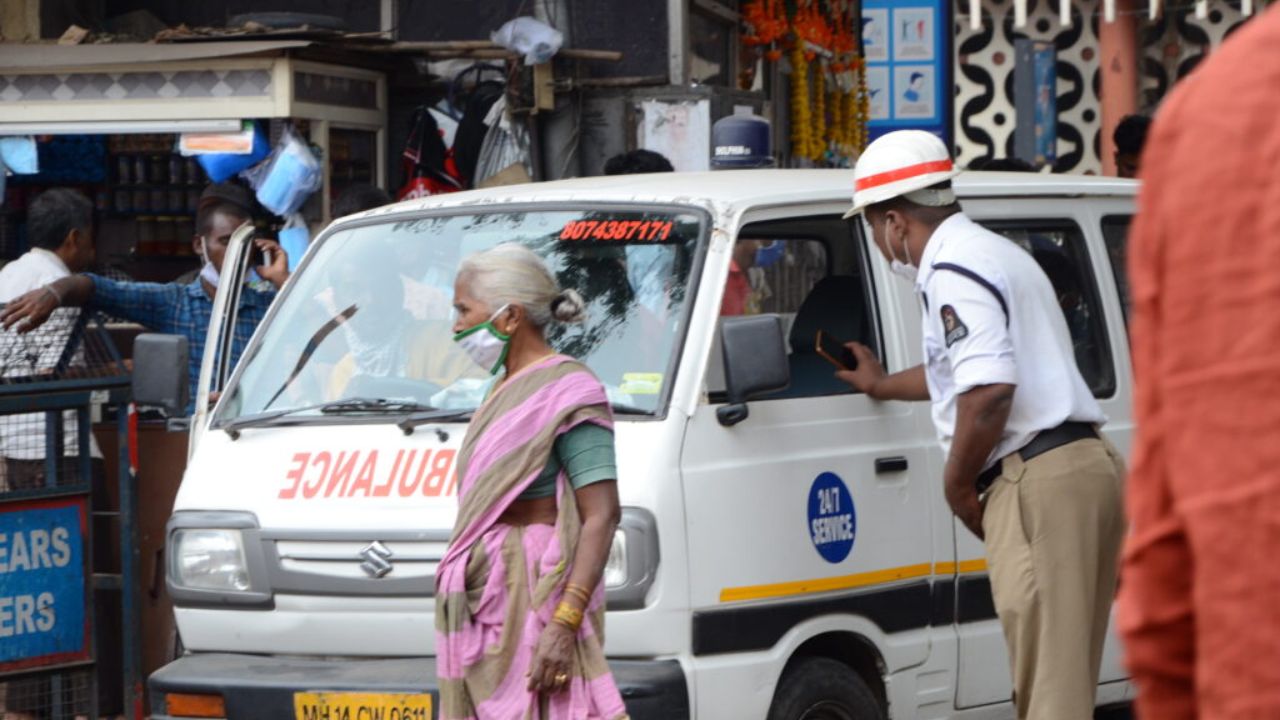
[108, 119]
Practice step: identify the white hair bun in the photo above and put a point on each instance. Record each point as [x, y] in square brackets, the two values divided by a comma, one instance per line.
[569, 307]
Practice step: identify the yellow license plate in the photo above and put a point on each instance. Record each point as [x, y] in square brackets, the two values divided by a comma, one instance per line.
[361, 706]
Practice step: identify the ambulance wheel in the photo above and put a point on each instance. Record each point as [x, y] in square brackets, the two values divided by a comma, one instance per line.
[823, 689]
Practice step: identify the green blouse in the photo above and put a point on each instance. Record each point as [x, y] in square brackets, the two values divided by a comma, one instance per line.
[585, 453]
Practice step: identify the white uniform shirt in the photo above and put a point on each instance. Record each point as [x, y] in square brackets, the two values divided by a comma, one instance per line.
[22, 437]
[969, 341]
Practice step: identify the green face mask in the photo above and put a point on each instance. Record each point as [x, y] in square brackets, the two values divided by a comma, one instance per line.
[485, 345]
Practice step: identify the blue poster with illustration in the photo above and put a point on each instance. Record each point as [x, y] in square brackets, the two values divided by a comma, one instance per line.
[908, 66]
[42, 583]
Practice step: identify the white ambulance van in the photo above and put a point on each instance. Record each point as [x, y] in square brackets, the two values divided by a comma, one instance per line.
[785, 550]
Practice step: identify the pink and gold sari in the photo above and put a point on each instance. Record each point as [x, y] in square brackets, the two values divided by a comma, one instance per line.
[498, 585]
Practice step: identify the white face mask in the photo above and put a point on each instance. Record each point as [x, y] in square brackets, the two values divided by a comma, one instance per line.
[903, 269]
[485, 345]
[208, 273]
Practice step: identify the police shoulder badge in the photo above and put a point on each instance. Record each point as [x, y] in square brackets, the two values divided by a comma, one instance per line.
[953, 328]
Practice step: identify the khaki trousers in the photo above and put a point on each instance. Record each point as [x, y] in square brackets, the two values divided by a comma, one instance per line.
[1053, 530]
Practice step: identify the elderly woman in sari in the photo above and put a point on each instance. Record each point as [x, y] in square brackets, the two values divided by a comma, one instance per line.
[519, 597]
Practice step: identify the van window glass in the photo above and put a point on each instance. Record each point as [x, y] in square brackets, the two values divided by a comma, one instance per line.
[1115, 232]
[1059, 248]
[811, 273]
[370, 316]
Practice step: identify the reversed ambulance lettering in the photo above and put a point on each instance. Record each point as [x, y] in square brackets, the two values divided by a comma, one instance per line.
[359, 473]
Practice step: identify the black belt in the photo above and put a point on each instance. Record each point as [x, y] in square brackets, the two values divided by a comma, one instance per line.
[1043, 442]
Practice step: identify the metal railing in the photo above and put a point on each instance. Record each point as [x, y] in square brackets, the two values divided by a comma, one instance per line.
[69, 645]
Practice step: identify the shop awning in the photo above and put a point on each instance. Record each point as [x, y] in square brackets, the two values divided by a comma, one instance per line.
[175, 88]
[17, 57]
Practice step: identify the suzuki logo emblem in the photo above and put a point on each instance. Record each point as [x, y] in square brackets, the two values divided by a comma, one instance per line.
[376, 562]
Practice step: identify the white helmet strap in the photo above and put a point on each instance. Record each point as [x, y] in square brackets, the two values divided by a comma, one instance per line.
[931, 198]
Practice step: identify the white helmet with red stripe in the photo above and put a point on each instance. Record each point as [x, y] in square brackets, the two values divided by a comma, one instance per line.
[904, 162]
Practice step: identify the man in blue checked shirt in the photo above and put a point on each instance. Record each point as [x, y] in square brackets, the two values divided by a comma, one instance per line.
[173, 308]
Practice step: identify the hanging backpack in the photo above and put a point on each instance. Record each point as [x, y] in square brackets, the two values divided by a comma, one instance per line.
[428, 164]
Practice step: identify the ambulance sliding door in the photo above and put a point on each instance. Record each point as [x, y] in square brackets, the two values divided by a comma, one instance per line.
[1059, 234]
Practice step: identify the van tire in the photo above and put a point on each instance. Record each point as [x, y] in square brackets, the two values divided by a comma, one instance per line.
[823, 689]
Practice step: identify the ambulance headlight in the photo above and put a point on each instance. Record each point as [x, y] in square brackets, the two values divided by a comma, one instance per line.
[632, 565]
[215, 559]
[209, 560]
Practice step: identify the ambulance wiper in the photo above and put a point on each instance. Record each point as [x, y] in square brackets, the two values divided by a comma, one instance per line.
[334, 407]
[372, 405]
[263, 419]
[433, 416]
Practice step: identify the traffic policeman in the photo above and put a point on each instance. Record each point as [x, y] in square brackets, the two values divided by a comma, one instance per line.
[1026, 468]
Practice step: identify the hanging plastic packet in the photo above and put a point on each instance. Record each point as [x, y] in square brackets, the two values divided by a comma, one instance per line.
[20, 155]
[534, 39]
[293, 237]
[220, 166]
[285, 181]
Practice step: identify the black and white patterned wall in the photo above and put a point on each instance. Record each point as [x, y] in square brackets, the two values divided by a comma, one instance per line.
[1174, 43]
[1171, 46]
[984, 110]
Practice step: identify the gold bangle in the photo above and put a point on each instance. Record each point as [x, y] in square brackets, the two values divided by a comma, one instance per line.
[568, 615]
[579, 592]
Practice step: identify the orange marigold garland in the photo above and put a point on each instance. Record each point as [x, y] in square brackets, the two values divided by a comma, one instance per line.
[801, 125]
[864, 106]
[816, 142]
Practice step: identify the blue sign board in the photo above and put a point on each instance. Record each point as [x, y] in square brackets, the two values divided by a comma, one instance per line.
[908, 66]
[1046, 119]
[833, 522]
[42, 583]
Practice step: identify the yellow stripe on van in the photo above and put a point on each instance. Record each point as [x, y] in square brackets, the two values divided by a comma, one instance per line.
[843, 582]
[846, 582]
[964, 566]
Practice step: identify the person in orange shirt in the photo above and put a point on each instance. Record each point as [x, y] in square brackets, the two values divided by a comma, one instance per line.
[1199, 606]
[738, 292]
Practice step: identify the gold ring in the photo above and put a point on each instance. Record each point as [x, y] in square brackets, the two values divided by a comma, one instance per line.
[562, 678]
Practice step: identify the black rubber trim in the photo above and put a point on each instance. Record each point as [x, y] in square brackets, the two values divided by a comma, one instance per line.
[257, 687]
[974, 602]
[761, 626]
[944, 602]
[914, 605]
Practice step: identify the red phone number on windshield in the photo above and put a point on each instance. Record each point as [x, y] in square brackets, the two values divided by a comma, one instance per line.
[648, 230]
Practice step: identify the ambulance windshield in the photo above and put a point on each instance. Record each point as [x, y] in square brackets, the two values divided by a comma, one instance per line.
[367, 326]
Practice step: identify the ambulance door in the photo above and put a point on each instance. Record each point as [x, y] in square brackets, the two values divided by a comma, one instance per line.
[813, 514]
[215, 366]
[1059, 234]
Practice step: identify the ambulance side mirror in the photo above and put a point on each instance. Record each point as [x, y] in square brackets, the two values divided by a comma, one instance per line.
[755, 363]
[160, 373]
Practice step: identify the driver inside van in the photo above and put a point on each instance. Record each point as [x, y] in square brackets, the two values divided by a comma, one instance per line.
[401, 327]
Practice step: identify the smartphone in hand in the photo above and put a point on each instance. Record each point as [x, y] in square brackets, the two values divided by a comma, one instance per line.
[833, 350]
[259, 257]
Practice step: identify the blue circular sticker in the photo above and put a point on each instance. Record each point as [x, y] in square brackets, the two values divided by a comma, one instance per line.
[833, 522]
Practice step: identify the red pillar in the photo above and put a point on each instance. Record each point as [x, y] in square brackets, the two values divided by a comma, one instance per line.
[1119, 54]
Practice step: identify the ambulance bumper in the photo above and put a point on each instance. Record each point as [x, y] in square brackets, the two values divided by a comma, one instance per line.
[257, 686]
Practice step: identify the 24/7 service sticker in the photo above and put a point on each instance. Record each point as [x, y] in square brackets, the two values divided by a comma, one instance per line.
[833, 522]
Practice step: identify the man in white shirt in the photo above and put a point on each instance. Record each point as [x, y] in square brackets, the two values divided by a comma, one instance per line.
[60, 233]
[1026, 468]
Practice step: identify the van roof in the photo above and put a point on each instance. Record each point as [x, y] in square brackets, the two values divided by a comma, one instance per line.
[761, 187]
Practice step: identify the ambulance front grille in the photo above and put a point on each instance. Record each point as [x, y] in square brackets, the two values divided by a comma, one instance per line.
[317, 563]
